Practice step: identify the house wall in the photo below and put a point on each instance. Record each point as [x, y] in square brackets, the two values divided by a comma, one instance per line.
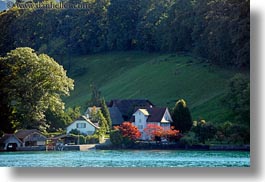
[88, 129]
[34, 139]
[140, 123]
[166, 120]
[140, 120]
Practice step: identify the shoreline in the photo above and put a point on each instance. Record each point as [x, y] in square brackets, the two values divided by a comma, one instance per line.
[150, 146]
[177, 147]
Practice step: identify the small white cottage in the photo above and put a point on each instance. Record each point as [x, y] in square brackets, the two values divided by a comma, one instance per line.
[84, 125]
[153, 115]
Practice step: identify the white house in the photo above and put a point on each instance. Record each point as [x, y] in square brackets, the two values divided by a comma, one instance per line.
[153, 115]
[84, 125]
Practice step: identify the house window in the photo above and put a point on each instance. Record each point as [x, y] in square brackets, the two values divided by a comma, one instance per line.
[80, 125]
[140, 127]
[140, 120]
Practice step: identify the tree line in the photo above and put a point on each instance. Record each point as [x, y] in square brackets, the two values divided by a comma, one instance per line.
[216, 30]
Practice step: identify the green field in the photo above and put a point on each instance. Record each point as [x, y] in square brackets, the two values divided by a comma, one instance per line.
[161, 78]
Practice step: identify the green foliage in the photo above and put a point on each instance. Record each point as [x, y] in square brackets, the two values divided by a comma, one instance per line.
[95, 97]
[93, 115]
[93, 139]
[216, 30]
[73, 113]
[181, 116]
[84, 139]
[75, 132]
[233, 133]
[204, 131]
[188, 139]
[59, 120]
[122, 18]
[106, 114]
[238, 98]
[96, 116]
[31, 84]
[102, 123]
[116, 137]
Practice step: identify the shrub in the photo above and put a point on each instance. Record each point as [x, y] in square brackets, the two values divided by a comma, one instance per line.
[92, 139]
[188, 140]
[116, 137]
[75, 132]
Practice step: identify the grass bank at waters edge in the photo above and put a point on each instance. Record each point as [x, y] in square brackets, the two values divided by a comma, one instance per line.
[162, 78]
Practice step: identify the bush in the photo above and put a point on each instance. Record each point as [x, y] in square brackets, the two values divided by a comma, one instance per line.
[75, 132]
[86, 139]
[234, 133]
[188, 140]
[92, 139]
[116, 137]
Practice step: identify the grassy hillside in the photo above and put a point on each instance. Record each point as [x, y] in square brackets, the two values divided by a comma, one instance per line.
[162, 78]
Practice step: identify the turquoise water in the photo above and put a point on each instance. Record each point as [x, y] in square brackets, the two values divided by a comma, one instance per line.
[125, 158]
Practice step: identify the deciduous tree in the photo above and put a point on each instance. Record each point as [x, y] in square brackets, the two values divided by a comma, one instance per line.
[129, 131]
[31, 84]
[238, 98]
[154, 131]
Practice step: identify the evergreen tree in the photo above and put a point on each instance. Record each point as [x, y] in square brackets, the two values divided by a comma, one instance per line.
[106, 114]
[181, 116]
[102, 123]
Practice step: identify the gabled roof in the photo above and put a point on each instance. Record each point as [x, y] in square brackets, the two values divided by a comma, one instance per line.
[144, 111]
[83, 118]
[21, 134]
[6, 136]
[127, 106]
[115, 116]
[155, 114]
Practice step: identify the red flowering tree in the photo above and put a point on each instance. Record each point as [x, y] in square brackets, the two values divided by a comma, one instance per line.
[172, 134]
[154, 131]
[129, 131]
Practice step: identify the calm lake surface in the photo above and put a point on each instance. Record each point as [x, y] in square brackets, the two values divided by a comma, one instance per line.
[126, 158]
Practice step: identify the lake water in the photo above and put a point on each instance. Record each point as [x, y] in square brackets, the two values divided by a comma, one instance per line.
[126, 158]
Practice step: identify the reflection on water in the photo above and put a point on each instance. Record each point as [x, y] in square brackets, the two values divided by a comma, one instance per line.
[126, 158]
